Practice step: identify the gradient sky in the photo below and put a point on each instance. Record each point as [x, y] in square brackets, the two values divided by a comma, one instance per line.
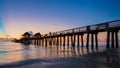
[19, 16]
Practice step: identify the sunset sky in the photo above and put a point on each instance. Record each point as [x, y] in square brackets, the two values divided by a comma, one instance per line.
[19, 16]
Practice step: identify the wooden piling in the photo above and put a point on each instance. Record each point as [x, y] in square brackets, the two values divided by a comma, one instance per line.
[82, 40]
[42, 42]
[71, 40]
[54, 41]
[45, 42]
[116, 37]
[92, 40]
[37, 42]
[108, 39]
[74, 39]
[78, 40]
[57, 40]
[63, 40]
[87, 45]
[68, 41]
[112, 39]
[96, 40]
[60, 41]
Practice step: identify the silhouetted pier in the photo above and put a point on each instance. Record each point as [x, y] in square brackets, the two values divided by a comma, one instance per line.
[71, 36]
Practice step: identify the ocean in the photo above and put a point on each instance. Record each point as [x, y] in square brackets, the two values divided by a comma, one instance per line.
[16, 55]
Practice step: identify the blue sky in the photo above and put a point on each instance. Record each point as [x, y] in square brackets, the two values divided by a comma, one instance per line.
[43, 16]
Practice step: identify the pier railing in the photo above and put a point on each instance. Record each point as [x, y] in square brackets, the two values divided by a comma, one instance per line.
[85, 29]
[112, 28]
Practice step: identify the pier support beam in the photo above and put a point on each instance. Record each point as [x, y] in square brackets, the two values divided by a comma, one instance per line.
[112, 39]
[60, 41]
[108, 39]
[74, 39]
[92, 40]
[63, 40]
[57, 40]
[78, 40]
[116, 38]
[45, 42]
[68, 41]
[87, 45]
[96, 39]
[50, 41]
[39, 41]
[54, 41]
[36, 41]
[82, 40]
[71, 40]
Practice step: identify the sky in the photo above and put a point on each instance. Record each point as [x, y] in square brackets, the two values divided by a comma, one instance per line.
[44, 16]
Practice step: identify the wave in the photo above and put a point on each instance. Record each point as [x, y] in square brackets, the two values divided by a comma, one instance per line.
[10, 51]
[23, 63]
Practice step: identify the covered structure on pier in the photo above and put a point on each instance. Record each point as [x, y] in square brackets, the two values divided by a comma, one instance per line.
[37, 35]
[26, 38]
[26, 35]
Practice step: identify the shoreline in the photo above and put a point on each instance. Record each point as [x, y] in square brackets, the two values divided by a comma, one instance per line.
[92, 60]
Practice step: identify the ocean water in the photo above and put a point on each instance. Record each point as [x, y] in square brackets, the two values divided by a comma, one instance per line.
[16, 55]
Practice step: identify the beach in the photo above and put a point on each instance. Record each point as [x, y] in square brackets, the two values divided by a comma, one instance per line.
[16, 55]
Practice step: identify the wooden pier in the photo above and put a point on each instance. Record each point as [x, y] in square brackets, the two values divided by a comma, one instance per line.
[68, 37]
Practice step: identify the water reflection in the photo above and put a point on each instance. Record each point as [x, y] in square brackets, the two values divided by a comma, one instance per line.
[77, 56]
[93, 58]
[59, 51]
[112, 57]
[25, 47]
[85, 58]
[108, 59]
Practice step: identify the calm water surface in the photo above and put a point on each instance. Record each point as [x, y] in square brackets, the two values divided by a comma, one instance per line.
[16, 55]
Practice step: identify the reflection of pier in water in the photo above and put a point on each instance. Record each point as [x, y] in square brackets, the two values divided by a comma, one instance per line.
[71, 36]
[54, 51]
[93, 58]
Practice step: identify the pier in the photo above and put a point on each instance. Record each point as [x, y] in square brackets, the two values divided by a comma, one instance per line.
[75, 36]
